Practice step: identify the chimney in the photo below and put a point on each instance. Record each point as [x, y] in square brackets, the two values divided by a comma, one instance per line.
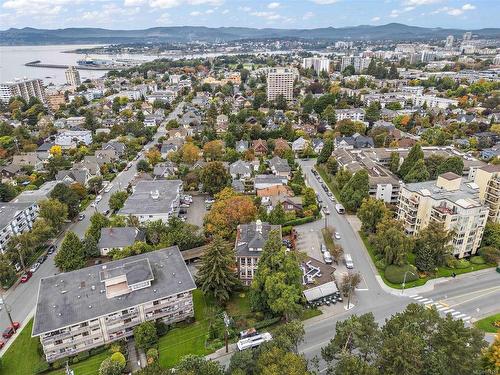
[258, 226]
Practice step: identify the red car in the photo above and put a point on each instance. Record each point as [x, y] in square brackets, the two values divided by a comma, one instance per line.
[2, 343]
[10, 330]
[26, 277]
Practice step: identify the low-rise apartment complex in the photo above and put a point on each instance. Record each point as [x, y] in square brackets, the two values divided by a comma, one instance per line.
[93, 306]
[154, 200]
[250, 241]
[15, 218]
[449, 201]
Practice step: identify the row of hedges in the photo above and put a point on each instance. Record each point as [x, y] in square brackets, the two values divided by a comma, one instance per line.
[300, 221]
[266, 323]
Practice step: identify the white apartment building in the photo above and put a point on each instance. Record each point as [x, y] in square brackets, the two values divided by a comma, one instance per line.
[449, 201]
[433, 101]
[153, 200]
[26, 88]
[72, 77]
[449, 42]
[280, 82]
[15, 218]
[360, 63]
[83, 309]
[487, 179]
[356, 114]
[71, 138]
[319, 64]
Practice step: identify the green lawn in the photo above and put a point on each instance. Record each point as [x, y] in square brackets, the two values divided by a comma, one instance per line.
[90, 366]
[442, 271]
[187, 338]
[486, 324]
[22, 356]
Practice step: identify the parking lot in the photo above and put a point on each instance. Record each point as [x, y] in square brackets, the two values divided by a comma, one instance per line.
[309, 239]
[196, 211]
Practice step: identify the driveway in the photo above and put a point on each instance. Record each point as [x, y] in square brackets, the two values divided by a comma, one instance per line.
[196, 212]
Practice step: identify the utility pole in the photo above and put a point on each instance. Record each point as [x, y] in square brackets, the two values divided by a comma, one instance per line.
[227, 321]
[2, 301]
[68, 370]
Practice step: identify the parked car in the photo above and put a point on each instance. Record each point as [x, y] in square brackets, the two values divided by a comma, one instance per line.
[323, 248]
[348, 261]
[93, 204]
[2, 343]
[81, 217]
[51, 249]
[326, 211]
[337, 235]
[10, 330]
[26, 277]
[35, 267]
[327, 257]
[98, 198]
[106, 213]
[42, 259]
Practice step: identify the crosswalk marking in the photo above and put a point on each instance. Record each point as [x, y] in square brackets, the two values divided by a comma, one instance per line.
[460, 316]
[448, 311]
[454, 314]
[415, 295]
[418, 298]
[466, 318]
[441, 307]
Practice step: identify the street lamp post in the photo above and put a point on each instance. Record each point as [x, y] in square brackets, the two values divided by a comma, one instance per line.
[404, 280]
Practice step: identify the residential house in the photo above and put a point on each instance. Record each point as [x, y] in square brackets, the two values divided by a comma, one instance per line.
[240, 170]
[259, 147]
[119, 147]
[221, 124]
[250, 241]
[167, 148]
[164, 170]
[280, 145]
[72, 138]
[241, 146]
[263, 181]
[300, 144]
[280, 167]
[70, 176]
[30, 159]
[118, 238]
[317, 145]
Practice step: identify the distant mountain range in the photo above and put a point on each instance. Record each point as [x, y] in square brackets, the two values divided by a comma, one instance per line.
[391, 31]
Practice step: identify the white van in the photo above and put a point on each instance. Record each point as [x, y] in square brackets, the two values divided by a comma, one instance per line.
[348, 261]
[327, 257]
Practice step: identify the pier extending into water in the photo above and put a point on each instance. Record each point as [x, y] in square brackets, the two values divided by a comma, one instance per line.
[39, 64]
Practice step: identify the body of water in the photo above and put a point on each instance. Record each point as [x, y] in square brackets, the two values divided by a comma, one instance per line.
[13, 58]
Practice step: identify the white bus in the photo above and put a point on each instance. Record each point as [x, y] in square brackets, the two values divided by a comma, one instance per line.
[340, 209]
[254, 341]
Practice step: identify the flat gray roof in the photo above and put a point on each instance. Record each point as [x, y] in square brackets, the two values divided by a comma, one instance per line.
[151, 197]
[73, 297]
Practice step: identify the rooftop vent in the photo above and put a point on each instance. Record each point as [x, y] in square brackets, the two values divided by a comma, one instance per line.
[64, 291]
[180, 282]
[90, 306]
[78, 297]
[92, 287]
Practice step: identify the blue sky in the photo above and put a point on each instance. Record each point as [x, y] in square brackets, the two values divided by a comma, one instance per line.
[138, 14]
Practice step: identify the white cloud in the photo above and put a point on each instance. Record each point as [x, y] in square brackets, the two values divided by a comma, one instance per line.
[375, 19]
[271, 16]
[324, 2]
[164, 19]
[133, 3]
[468, 7]
[175, 3]
[37, 7]
[422, 2]
[209, 11]
[273, 5]
[308, 15]
[195, 13]
[110, 11]
[454, 11]
[245, 9]
[225, 11]
[394, 13]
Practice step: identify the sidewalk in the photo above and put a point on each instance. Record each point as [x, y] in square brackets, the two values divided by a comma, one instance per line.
[221, 353]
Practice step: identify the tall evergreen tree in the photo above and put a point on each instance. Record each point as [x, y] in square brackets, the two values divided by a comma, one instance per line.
[432, 246]
[326, 152]
[394, 162]
[414, 155]
[71, 255]
[417, 173]
[355, 190]
[216, 275]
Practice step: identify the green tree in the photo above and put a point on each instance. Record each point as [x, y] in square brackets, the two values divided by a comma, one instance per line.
[394, 162]
[216, 275]
[371, 212]
[332, 166]
[110, 367]
[97, 222]
[393, 72]
[277, 285]
[7, 192]
[418, 173]
[342, 177]
[242, 362]
[391, 241]
[7, 272]
[194, 365]
[215, 177]
[372, 113]
[409, 162]
[95, 184]
[289, 336]
[432, 246]
[71, 255]
[143, 166]
[326, 152]
[69, 197]
[275, 360]
[491, 235]
[352, 364]
[277, 215]
[280, 102]
[453, 164]
[353, 193]
[329, 115]
[117, 200]
[54, 212]
[145, 335]
[120, 358]
[432, 164]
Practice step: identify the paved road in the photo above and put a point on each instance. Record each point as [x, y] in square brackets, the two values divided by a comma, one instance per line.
[470, 296]
[22, 298]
